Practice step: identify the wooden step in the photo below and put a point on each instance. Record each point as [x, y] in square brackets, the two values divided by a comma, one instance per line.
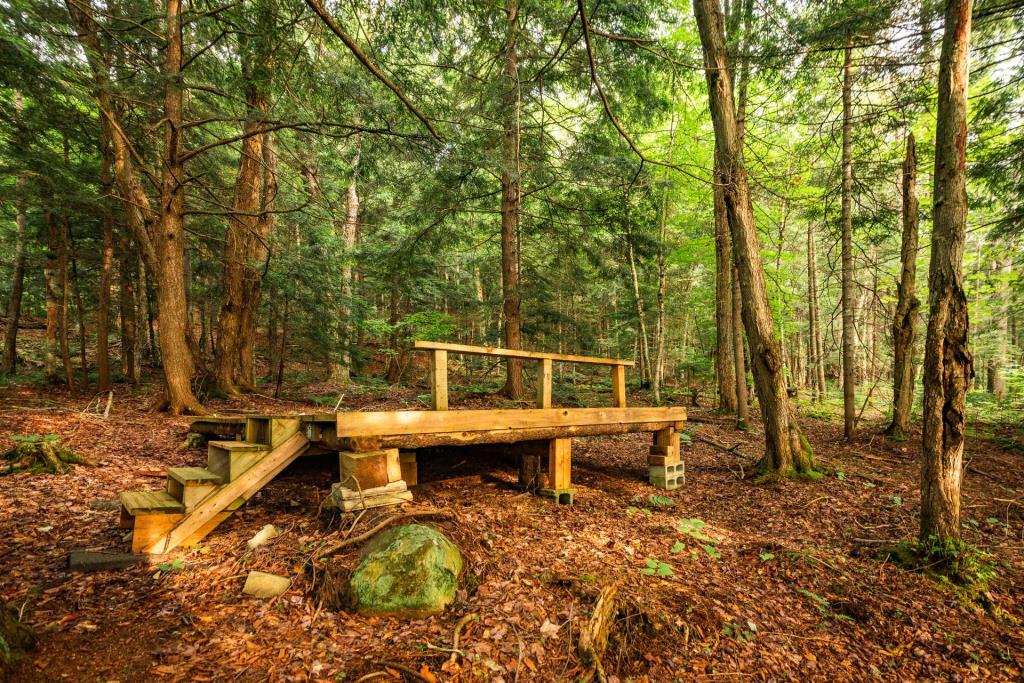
[191, 485]
[216, 507]
[272, 430]
[150, 502]
[227, 460]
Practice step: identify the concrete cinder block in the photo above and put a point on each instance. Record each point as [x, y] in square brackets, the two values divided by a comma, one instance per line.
[560, 496]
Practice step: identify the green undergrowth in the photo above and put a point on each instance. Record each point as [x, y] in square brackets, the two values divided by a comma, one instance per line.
[950, 562]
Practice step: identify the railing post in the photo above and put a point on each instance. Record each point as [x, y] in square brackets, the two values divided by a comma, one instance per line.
[544, 383]
[619, 386]
[439, 379]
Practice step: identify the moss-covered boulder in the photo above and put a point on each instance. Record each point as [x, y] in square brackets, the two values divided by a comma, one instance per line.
[408, 571]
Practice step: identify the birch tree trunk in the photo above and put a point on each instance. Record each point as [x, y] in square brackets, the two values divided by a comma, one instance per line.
[904, 324]
[786, 450]
[948, 365]
[814, 343]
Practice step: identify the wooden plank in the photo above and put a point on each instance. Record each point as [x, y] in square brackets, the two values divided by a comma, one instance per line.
[244, 487]
[356, 424]
[559, 464]
[618, 386]
[510, 436]
[517, 353]
[439, 380]
[544, 383]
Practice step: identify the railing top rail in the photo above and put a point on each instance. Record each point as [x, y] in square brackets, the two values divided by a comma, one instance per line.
[516, 353]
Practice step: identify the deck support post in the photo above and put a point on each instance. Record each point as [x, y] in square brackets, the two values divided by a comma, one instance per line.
[439, 379]
[544, 383]
[559, 484]
[619, 386]
[666, 469]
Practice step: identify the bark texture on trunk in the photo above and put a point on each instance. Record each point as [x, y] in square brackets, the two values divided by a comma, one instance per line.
[815, 346]
[510, 207]
[738, 358]
[107, 265]
[904, 324]
[725, 362]
[786, 450]
[10, 358]
[158, 233]
[245, 249]
[849, 343]
[126, 306]
[948, 365]
[997, 379]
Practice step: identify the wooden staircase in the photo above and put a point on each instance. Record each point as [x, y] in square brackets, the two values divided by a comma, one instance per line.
[197, 499]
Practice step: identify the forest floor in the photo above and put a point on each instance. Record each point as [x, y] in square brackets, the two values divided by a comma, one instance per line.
[786, 587]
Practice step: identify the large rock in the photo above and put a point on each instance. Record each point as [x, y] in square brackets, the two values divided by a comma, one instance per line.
[407, 571]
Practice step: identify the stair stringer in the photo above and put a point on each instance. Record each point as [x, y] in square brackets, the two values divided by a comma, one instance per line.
[204, 517]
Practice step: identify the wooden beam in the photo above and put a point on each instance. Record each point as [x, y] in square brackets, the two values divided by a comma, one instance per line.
[559, 464]
[387, 423]
[515, 353]
[439, 379]
[244, 487]
[544, 383]
[618, 386]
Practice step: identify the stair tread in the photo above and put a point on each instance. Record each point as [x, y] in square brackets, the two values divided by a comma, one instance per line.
[136, 502]
[193, 475]
[240, 445]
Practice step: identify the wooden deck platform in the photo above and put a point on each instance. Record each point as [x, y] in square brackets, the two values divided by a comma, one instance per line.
[377, 450]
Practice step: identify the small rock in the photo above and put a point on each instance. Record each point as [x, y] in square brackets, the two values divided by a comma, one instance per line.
[105, 505]
[265, 534]
[264, 585]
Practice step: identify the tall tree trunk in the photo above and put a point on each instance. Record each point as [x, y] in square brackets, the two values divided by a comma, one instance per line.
[786, 450]
[1003, 268]
[904, 324]
[849, 343]
[107, 265]
[641, 313]
[72, 284]
[10, 359]
[738, 358]
[342, 370]
[725, 361]
[53, 292]
[159, 234]
[510, 207]
[815, 345]
[242, 233]
[659, 330]
[126, 300]
[948, 365]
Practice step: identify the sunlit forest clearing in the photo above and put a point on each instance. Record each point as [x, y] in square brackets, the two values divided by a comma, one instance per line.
[457, 341]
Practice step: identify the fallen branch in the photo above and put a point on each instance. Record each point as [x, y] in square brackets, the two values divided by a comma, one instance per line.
[457, 632]
[341, 545]
[721, 446]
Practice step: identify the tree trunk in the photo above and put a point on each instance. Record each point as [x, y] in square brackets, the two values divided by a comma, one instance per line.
[786, 449]
[1003, 269]
[815, 346]
[10, 359]
[160, 235]
[107, 266]
[738, 358]
[948, 366]
[725, 360]
[342, 370]
[510, 207]
[76, 290]
[641, 314]
[126, 300]
[904, 324]
[849, 347]
[659, 330]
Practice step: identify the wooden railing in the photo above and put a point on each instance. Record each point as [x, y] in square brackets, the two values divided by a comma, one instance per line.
[439, 369]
